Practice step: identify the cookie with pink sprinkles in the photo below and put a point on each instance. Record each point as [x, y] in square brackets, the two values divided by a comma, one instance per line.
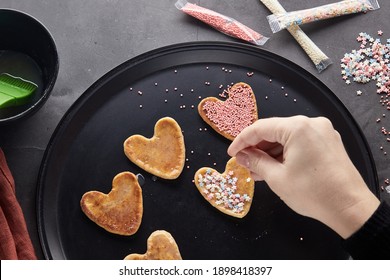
[230, 192]
[229, 117]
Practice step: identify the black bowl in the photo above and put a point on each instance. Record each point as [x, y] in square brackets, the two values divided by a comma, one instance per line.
[24, 34]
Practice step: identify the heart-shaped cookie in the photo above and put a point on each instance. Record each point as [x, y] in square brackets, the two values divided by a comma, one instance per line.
[162, 155]
[120, 211]
[231, 116]
[161, 246]
[230, 192]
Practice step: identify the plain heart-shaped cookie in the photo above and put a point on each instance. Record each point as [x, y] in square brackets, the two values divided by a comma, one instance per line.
[120, 211]
[160, 246]
[162, 155]
[231, 116]
[230, 192]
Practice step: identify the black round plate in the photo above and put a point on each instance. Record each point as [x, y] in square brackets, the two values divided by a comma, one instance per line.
[86, 152]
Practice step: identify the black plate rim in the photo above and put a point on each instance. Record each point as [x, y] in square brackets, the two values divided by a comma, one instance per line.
[149, 55]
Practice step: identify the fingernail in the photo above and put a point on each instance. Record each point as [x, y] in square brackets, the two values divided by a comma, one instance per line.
[243, 159]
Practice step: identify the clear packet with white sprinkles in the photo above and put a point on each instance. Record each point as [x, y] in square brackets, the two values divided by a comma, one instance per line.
[222, 23]
[319, 58]
[280, 21]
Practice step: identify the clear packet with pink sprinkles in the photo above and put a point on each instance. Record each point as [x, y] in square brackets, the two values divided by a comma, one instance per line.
[224, 24]
[280, 21]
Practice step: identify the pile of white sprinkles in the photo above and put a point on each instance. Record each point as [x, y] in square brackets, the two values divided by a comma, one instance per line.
[371, 63]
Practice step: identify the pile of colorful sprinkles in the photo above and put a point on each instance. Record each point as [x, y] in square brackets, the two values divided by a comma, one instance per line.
[223, 190]
[371, 63]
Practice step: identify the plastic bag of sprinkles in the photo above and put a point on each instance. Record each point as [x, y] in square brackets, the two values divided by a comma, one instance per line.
[222, 23]
[319, 58]
[280, 21]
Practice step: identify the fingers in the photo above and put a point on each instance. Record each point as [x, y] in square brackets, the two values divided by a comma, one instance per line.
[261, 164]
[273, 130]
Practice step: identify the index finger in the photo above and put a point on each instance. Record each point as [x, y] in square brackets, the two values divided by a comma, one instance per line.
[274, 130]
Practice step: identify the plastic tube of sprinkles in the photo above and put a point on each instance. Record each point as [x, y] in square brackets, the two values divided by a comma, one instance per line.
[224, 24]
[319, 58]
[280, 21]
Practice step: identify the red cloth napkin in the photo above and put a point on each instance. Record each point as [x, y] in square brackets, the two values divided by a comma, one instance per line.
[15, 241]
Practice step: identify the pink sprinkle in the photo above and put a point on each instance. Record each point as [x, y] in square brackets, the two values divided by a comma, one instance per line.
[380, 32]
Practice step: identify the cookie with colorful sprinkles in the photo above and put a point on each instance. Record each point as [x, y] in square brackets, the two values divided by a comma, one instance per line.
[230, 192]
[231, 116]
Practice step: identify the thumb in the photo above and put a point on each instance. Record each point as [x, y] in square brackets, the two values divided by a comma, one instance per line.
[261, 164]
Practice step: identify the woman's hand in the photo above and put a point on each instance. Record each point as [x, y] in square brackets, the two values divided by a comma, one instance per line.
[304, 162]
